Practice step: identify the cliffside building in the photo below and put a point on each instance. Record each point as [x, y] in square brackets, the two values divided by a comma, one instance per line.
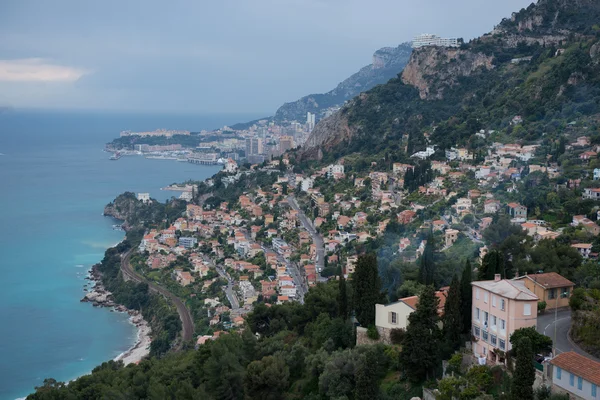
[427, 39]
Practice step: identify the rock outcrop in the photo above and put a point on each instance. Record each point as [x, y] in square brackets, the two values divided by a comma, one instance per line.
[432, 69]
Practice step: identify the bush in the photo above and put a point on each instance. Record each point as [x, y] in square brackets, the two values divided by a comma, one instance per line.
[577, 299]
[397, 335]
[372, 333]
[541, 306]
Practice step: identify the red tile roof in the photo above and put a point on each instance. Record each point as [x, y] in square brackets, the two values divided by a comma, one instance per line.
[550, 280]
[578, 365]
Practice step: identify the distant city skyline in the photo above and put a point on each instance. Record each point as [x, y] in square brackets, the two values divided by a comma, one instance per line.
[208, 57]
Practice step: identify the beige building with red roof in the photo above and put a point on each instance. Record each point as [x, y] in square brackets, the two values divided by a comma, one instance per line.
[550, 287]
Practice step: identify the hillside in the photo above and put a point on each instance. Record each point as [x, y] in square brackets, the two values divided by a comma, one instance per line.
[387, 63]
[541, 64]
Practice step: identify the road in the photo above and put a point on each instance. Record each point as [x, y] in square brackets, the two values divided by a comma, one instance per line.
[233, 300]
[563, 343]
[316, 237]
[187, 323]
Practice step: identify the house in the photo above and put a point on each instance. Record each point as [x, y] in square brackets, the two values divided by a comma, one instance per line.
[583, 248]
[395, 315]
[586, 155]
[596, 174]
[550, 287]
[515, 210]
[575, 375]
[591, 193]
[500, 307]
[184, 278]
[143, 197]
[406, 217]
[491, 206]
[451, 235]
[438, 225]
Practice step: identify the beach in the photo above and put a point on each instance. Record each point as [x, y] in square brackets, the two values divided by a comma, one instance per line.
[141, 348]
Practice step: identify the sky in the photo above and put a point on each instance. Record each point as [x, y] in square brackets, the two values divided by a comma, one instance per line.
[217, 56]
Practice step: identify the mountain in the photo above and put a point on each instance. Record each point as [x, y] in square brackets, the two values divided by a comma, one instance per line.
[540, 64]
[387, 63]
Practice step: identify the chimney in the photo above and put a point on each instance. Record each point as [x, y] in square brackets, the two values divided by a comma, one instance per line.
[497, 278]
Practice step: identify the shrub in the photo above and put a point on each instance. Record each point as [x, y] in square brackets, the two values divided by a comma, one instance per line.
[372, 333]
[397, 335]
[541, 306]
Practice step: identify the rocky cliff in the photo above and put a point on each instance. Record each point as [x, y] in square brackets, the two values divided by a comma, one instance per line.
[432, 69]
[387, 63]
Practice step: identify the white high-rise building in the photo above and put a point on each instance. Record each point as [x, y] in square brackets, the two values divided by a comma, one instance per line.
[310, 121]
[427, 39]
[254, 146]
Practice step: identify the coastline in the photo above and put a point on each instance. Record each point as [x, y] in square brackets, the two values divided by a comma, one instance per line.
[99, 296]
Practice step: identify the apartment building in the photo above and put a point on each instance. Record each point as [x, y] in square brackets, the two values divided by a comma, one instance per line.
[500, 307]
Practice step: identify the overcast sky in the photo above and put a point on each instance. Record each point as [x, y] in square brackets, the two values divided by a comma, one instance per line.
[226, 56]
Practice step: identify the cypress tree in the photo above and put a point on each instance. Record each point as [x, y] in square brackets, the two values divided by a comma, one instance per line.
[524, 376]
[420, 346]
[427, 264]
[367, 383]
[466, 294]
[453, 319]
[492, 263]
[367, 288]
[342, 298]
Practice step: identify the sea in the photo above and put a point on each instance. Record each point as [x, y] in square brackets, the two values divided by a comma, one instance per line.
[55, 180]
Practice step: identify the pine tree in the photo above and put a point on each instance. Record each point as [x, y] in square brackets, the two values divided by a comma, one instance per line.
[492, 264]
[427, 264]
[453, 320]
[420, 346]
[466, 294]
[524, 376]
[367, 288]
[342, 298]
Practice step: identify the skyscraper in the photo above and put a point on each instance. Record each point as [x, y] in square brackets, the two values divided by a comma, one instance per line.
[286, 143]
[254, 146]
[310, 121]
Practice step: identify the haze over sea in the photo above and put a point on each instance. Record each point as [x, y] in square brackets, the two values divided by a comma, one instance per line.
[55, 180]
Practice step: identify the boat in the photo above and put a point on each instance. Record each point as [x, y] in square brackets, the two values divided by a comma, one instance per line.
[115, 156]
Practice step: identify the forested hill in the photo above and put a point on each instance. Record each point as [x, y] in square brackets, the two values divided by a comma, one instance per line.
[387, 63]
[540, 64]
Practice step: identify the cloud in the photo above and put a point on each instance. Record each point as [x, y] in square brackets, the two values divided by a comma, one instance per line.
[38, 70]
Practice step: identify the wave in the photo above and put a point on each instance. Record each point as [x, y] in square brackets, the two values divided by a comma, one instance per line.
[79, 266]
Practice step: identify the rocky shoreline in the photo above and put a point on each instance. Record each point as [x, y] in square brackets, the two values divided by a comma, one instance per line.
[99, 296]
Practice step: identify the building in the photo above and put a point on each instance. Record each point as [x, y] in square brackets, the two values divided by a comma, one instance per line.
[143, 197]
[310, 121]
[596, 174]
[230, 166]
[575, 375]
[427, 39]
[583, 248]
[550, 287]
[286, 143]
[451, 235]
[254, 146]
[517, 211]
[188, 242]
[591, 193]
[500, 307]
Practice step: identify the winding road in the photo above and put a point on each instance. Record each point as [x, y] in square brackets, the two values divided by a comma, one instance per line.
[187, 323]
[546, 325]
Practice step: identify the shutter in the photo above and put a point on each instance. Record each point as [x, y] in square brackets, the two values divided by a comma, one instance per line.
[389, 317]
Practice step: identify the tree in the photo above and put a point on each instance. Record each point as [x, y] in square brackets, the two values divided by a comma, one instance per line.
[427, 263]
[367, 288]
[420, 351]
[466, 294]
[524, 376]
[367, 385]
[539, 343]
[453, 319]
[492, 264]
[342, 298]
[267, 379]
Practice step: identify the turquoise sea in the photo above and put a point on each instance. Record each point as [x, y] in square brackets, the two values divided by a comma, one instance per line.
[54, 182]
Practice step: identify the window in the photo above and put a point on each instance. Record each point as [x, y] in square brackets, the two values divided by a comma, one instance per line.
[493, 301]
[564, 292]
[485, 318]
[579, 383]
[394, 318]
[526, 309]
[502, 324]
[494, 322]
[485, 335]
[558, 373]
[571, 379]
[593, 390]
[502, 304]
[476, 331]
[494, 340]
[477, 314]
[502, 344]
[552, 294]
[485, 297]
[477, 293]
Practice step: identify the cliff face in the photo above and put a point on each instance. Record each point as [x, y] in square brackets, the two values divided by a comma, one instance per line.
[432, 69]
[387, 63]
[329, 132]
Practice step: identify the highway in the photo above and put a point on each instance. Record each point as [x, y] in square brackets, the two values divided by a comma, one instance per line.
[187, 323]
